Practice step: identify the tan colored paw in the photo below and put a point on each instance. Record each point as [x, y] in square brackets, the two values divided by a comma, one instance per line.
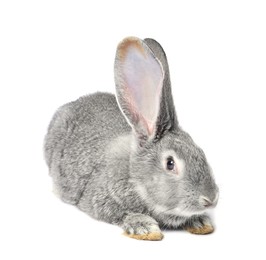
[207, 229]
[154, 236]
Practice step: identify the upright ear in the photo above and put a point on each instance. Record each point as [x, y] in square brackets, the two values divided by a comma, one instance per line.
[167, 119]
[139, 77]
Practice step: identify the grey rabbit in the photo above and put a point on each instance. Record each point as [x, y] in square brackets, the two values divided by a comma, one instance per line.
[125, 159]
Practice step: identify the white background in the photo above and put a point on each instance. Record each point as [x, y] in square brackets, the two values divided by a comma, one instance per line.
[52, 52]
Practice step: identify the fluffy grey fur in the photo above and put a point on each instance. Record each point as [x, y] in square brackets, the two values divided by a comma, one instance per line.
[105, 163]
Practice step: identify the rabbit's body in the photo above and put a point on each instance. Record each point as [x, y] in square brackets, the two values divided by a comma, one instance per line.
[76, 148]
[89, 161]
[131, 164]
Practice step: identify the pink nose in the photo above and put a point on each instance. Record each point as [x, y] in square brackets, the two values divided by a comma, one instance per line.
[207, 202]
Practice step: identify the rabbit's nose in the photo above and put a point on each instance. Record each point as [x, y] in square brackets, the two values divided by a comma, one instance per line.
[207, 202]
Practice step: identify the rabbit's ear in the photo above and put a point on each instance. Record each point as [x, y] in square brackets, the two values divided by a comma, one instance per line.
[167, 119]
[139, 79]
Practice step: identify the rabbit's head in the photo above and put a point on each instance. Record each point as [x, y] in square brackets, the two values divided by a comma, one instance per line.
[169, 170]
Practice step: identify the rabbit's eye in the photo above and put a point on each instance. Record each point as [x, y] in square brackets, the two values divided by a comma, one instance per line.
[170, 164]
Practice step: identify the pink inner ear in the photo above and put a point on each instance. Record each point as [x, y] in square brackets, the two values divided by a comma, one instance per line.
[143, 79]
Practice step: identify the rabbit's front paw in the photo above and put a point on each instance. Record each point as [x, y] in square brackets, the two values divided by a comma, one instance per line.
[142, 227]
[200, 225]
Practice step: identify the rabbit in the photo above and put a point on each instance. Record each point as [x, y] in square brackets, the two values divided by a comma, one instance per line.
[124, 159]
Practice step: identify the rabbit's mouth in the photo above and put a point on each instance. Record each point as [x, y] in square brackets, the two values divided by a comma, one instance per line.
[209, 203]
[199, 207]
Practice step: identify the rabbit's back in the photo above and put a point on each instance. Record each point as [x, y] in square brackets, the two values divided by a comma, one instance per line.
[76, 141]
